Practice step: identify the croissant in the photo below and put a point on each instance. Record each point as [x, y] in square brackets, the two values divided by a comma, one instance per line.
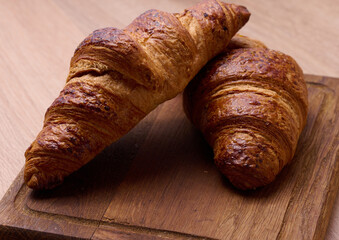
[117, 77]
[250, 103]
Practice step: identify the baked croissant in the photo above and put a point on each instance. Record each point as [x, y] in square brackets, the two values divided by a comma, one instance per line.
[118, 76]
[251, 106]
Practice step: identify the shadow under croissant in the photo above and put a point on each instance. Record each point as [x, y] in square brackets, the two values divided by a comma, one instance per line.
[107, 170]
[154, 151]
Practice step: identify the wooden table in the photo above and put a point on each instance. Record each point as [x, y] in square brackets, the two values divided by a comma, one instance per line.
[38, 38]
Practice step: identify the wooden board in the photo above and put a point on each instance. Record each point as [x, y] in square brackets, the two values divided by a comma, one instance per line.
[159, 182]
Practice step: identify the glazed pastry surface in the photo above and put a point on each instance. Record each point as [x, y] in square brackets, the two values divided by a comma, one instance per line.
[251, 106]
[117, 76]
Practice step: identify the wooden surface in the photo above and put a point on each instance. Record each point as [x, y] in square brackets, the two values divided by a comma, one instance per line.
[38, 39]
[134, 190]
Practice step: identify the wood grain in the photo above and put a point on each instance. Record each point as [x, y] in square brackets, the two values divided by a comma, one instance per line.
[38, 39]
[134, 190]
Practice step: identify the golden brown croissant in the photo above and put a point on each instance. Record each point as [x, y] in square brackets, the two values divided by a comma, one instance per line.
[118, 76]
[251, 105]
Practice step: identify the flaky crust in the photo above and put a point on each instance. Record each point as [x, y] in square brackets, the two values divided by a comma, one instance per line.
[118, 76]
[251, 105]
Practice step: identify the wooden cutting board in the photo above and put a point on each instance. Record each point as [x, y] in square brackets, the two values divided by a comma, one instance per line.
[159, 182]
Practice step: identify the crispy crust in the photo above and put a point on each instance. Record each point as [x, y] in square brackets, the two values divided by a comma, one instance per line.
[251, 105]
[118, 76]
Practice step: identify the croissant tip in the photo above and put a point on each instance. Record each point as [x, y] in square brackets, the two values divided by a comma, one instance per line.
[244, 13]
[37, 180]
[241, 11]
[33, 182]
